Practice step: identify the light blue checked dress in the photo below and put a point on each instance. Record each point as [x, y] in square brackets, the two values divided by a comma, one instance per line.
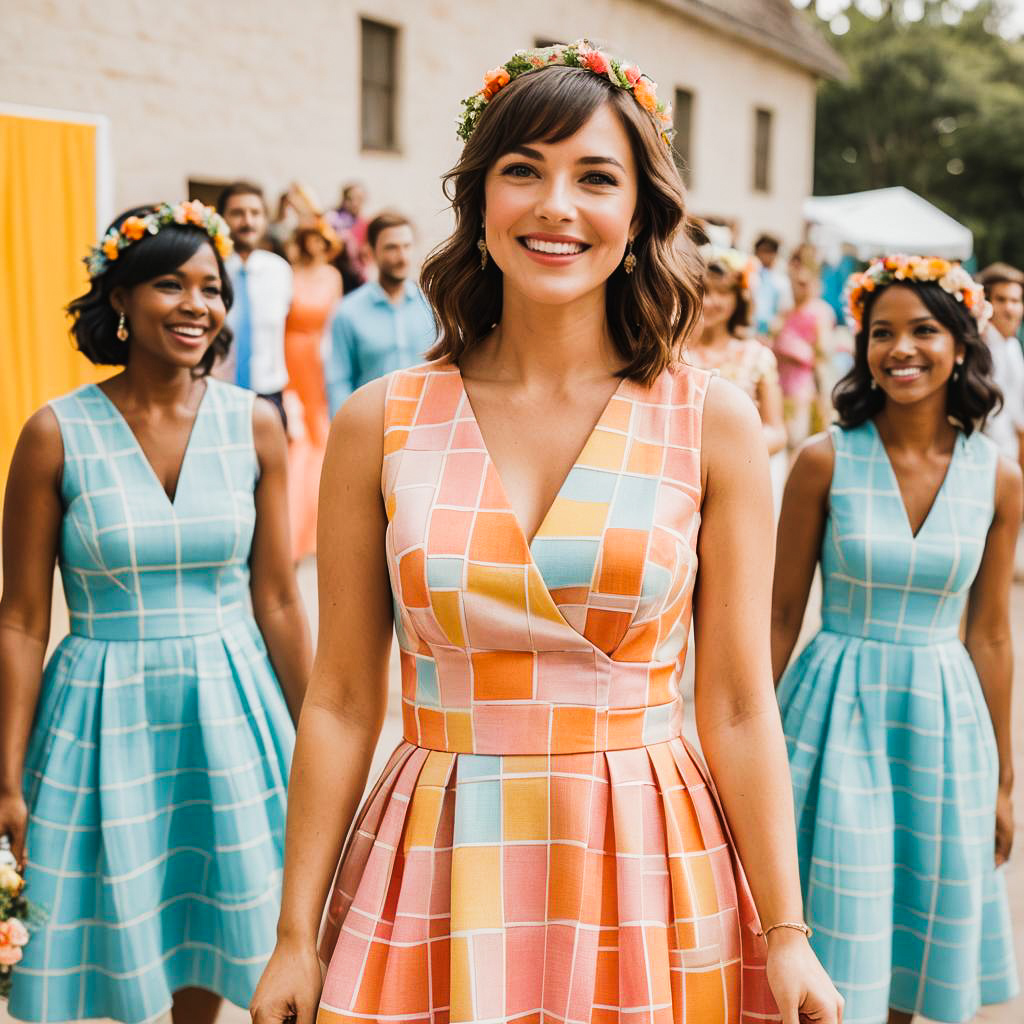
[892, 750]
[156, 771]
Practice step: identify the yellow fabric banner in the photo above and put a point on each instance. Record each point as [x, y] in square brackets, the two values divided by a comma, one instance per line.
[47, 223]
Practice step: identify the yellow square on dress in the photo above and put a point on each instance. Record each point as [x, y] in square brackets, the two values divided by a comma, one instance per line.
[476, 889]
[525, 809]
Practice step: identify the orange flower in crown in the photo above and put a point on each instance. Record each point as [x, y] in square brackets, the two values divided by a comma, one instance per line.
[580, 54]
[134, 228]
[887, 270]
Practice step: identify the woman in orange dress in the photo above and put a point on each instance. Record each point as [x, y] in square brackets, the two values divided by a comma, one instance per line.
[527, 513]
[316, 290]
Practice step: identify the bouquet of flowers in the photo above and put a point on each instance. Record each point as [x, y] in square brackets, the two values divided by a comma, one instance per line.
[14, 911]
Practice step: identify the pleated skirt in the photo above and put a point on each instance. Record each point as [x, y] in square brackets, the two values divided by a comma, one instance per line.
[895, 775]
[155, 779]
[591, 887]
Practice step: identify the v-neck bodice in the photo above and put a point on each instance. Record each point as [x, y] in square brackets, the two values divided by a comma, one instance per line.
[571, 643]
[136, 565]
[881, 580]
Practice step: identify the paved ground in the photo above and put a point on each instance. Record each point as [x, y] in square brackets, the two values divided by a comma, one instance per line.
[1007, 1013]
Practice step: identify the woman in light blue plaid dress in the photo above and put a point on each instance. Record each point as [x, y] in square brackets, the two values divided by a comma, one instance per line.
[898, 733]
[143, 772]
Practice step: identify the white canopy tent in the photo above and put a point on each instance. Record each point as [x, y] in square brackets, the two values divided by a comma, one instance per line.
[885, 220]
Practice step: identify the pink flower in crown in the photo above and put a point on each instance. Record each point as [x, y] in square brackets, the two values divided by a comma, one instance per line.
[632, 73]
[13, 935]
[596, 61]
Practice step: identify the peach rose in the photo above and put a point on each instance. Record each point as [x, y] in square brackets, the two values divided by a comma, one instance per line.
[632, 73]
[644, 93]
[12, 937]
[133, 228]
[595, 61]
[494, 81]
[110, 248]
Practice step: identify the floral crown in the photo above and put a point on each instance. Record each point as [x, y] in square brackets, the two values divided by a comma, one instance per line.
[886, 270]
[131, 229]
[570, 55]
[732, 261]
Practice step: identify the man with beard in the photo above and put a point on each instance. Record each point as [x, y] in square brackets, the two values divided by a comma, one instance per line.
[386, 324]
[263, 295]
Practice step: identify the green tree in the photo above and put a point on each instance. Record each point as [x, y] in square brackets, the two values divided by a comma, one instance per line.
[935, 107]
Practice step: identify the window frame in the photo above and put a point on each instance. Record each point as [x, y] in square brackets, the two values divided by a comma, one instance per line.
[684, 161]
[389, 87]
[761, 178]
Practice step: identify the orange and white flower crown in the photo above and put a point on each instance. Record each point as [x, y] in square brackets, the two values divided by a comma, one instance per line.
[580, 54]
[887, 270]
[131, 229]
[732, 261]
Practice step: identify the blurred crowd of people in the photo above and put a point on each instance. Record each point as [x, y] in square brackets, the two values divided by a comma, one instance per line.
[296, 342]
[768, 327]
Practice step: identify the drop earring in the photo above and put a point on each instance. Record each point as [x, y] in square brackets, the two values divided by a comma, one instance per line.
[629, 263]
[956, 371]
[122, 328]
[482, 246]
[874, 384]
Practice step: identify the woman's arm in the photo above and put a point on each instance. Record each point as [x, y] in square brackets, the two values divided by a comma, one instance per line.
[737, 715]
[769, 403]
[276, 603]
[801, 529]
[345, 703]
[989, 638]
[31, 531]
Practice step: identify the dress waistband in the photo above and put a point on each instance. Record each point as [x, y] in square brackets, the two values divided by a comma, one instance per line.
[156, 624]
[538, 727]
[898, 636]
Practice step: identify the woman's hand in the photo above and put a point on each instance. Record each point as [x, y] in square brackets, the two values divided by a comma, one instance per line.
[289, 990]
[13, 821]
[1004, 825]
[803, 991]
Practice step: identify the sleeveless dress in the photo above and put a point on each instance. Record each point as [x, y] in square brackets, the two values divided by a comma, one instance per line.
[155, 773]
[892, 751]
[543, 844]
[312, 303]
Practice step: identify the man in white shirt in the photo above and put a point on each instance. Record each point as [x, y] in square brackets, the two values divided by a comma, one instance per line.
[1004, 288]
[262, 282]
[773, 293]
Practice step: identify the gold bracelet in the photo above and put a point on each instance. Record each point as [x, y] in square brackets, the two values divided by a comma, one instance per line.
[797, 926]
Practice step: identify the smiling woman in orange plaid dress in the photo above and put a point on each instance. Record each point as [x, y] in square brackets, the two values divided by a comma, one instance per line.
[544, 845]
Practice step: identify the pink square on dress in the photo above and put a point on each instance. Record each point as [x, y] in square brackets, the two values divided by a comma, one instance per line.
[489, 969]
[521, 727]
[567, 677]
[463, 473]
[441, 398]
[524, 968]
[422, 471]
[525, 882]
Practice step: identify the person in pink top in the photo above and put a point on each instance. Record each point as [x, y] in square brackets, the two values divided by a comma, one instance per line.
[801, 348]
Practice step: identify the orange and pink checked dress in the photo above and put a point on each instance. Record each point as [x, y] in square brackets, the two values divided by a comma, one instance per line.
[543, 847]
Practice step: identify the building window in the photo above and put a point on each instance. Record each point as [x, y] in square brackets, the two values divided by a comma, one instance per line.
[762, 150]
[682, 122]
[379, 85]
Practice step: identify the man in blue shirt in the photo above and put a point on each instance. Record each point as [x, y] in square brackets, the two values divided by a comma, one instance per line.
[386, 324]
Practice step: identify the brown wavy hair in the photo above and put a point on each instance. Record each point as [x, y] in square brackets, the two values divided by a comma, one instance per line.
[651, 311]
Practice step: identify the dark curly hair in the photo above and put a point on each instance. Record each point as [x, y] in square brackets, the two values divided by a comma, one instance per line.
[93, 318]
[970, 399]
[649, 312]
